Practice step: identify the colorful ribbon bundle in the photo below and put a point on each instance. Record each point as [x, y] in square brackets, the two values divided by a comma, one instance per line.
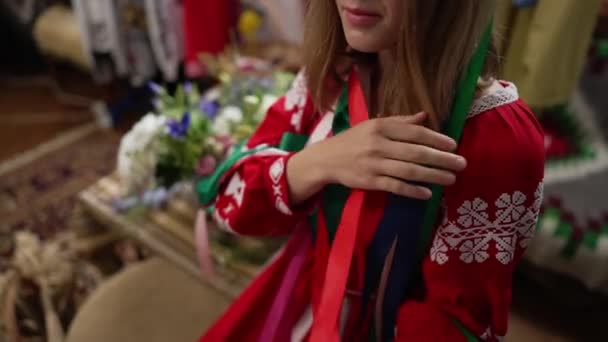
[405, 246]
[393, 265]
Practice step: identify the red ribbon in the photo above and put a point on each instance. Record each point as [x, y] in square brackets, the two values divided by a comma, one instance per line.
[325, 326]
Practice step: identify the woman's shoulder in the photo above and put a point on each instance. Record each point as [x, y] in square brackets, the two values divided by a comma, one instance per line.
[501, 93]
[501, 126]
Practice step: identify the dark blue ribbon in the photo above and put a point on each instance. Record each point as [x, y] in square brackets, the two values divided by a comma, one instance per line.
[402, 220]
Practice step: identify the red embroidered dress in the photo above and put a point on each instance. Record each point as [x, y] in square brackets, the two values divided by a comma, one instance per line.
[488, 219]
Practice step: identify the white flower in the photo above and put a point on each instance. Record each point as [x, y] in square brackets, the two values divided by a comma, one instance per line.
[227, 117]
[213, 94]
[138, 153]
[233, 114]
[221, 126]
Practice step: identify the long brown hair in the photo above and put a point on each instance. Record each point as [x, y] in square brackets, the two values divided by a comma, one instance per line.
[436, 40]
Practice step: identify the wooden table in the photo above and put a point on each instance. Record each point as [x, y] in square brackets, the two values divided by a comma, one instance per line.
[169, 233]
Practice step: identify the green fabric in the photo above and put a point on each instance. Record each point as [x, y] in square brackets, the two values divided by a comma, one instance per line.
[602, 48]
[568, 125]
[590, 240]
[467, 334]
[207, 188]
[549, 214]
[566, 231]
[292, 142]
[334, 196]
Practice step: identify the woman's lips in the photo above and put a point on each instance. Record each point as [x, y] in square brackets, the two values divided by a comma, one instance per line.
[361, 18]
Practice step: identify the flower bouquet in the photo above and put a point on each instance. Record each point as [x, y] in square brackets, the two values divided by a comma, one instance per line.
[190, 133]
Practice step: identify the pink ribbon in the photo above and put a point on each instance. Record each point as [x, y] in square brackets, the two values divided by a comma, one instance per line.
[281, 301]
[202, 244]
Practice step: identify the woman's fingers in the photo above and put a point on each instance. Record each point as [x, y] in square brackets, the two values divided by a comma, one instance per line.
[422, 155]
[401, 188]
[402, 129]
[414, 172]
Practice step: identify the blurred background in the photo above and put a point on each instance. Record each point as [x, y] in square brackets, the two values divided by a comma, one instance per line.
[110, 109]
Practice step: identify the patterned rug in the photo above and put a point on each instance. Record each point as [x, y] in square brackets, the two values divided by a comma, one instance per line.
[38, 195]
[38, 189]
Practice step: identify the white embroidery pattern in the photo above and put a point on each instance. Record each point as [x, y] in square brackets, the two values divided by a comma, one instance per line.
[474, 230]
[295, 100]
[277, 169]
[236, 189]
[499, 98]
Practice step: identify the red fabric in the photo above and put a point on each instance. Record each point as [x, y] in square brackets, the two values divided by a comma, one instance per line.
[431, 325]
[489, 215]
[207, 26]
[487, 202]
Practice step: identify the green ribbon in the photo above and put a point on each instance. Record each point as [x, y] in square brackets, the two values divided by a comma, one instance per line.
[454, 127]
[334, 196]
[208, 187]
[467, 334]
[291, 142]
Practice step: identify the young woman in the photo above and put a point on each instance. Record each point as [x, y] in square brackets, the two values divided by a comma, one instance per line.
[380, 78]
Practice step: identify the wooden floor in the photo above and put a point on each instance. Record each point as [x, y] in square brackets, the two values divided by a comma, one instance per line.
[35, 108]
[30, 115]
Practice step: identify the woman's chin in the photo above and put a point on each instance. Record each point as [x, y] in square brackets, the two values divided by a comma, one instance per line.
[365, 42]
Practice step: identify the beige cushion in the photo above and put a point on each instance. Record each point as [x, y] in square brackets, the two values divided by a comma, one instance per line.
[151, 301]
[58, 35]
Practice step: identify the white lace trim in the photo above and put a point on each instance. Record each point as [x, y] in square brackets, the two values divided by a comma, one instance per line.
[296, 97]
[507, 94]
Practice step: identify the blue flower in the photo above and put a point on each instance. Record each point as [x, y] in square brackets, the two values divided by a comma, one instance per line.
[188, 87]
[210, 108]
[179, 129]
[267, 83]
[156, 88]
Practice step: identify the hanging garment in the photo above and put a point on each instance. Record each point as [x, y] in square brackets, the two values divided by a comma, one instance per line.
[488, 218]
[165, 30]
[207, 26]
[101, 38]
[545, 46]
[134, 34]
[24, 10]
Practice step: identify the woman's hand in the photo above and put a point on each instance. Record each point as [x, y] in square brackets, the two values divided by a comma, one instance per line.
[389, 154]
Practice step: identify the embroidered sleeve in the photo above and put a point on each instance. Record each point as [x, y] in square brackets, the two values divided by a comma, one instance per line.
[252, 194]
[488, 220]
